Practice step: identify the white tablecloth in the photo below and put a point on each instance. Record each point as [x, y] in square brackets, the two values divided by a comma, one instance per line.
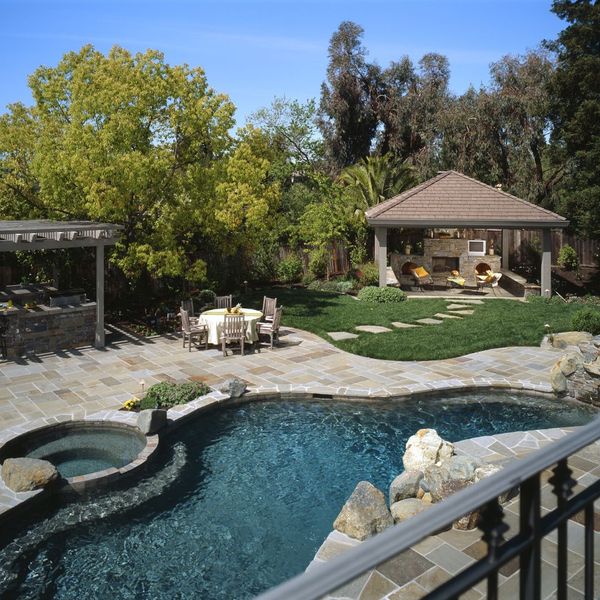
[215, 318]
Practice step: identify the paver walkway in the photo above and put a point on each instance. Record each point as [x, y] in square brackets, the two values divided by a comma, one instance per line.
[82, 382]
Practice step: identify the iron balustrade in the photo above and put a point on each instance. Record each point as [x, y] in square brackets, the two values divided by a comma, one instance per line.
[524, 474]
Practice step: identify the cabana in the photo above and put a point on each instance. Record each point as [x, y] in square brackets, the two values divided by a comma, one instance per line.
[63, 308]
[452, 200]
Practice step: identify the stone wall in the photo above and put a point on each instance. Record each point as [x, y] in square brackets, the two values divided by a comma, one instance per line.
[49, 329]
[576, 374]
[444, 247]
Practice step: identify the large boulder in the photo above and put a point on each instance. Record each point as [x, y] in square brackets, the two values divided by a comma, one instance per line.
[406, 485]
[407, 508]
[426, 448]
[26, 474]
[558, 381]
[234, 387]
[570, 338]
[365, 513]
[152, 420]
[569, 363]
[440, 480]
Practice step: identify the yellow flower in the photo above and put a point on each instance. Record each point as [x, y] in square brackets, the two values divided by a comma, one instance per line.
[131, 404]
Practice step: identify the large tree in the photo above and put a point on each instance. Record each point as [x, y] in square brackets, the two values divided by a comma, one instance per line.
[575, 91]
[348, 119]
[123, 138]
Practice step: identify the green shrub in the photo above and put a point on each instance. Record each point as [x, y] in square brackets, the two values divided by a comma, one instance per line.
[206, 297]
[307, 279]
[384, 295]
[554, 300]
[165, 394]
[317, 262]
[367, 274]
[339, 286]
[290, 269]
[568, 259]
[586, 319]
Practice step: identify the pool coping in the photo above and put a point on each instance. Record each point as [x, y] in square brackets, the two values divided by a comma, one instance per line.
[178, 415]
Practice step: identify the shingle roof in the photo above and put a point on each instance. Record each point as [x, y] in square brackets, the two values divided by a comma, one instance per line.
[453, 199]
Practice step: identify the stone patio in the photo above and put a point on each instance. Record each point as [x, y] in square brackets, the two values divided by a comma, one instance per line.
[80, 382]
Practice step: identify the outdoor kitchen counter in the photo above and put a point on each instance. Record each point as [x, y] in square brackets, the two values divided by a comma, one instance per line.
[48, 328]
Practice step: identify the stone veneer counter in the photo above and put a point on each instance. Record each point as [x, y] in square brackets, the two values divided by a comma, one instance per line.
[48, 328]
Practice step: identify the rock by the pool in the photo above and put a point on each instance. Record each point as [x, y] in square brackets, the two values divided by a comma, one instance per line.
[364, 514]
[151, 421]
[27, 474]
[407, 508]
[426, 448]
[234, 387]
[406, 485]
[570, 338]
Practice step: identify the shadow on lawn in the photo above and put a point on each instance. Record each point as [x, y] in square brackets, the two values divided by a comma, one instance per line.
[301, 302]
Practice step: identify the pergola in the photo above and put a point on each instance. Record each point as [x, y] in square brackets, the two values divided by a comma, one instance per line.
[54, 235]
[453, 200]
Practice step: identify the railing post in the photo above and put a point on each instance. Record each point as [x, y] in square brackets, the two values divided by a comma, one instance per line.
[529, 562]
[562, 486]
[493, 526]
[589, 552]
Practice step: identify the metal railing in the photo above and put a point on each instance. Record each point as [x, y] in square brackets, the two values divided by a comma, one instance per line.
[526, 544]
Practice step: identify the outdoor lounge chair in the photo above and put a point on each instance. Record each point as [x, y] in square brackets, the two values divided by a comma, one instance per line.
[489, 278]
[421, 278]
[271, 329]
[224, 301]
[455, 280]
[234, 330]
[191, 331]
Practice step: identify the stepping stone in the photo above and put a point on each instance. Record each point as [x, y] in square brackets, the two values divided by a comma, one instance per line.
[429, 321]
[341, 335]
[468, 301]
[444, 316]
[372, 328]
[462, 312]
[401, 325]
[457, 306]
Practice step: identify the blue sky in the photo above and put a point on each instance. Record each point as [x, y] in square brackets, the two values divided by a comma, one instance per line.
[254, 50]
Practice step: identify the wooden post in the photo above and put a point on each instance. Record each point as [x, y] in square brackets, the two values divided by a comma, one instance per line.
[99, 341]
[381, 254]
[546, 278]
[505, 248]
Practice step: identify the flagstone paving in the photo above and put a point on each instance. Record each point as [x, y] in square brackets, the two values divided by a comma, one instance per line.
[429, 321]
[372, 328]
[401, 325]
[457, 306]
[76, 383]
[445, 316]
[461, 312]
[341, 335]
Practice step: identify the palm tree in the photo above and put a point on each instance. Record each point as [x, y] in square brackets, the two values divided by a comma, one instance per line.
[368, 182]
[375, 179]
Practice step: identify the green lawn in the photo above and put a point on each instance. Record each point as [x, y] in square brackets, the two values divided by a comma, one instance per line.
[494, 324]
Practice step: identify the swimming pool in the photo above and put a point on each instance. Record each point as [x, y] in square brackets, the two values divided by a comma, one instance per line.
[242, 498]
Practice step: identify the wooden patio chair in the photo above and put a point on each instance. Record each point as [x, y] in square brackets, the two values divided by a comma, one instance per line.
[234, 330]
[268, 308]
[270, 329]
[224, 301]
[191, 332]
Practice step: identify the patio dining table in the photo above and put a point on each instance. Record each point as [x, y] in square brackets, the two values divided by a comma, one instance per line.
[215, 320]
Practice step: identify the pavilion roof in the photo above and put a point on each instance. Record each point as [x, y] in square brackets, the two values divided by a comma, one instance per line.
[452, 199]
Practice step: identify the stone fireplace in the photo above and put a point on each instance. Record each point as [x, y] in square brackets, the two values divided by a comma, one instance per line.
[440, 257]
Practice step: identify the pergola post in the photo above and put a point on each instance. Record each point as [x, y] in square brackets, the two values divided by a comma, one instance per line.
[505, 245]
[546, 275]
[99, 341]
[381, 254]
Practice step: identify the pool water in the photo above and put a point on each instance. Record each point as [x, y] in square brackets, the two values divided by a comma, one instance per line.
[242, 498]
